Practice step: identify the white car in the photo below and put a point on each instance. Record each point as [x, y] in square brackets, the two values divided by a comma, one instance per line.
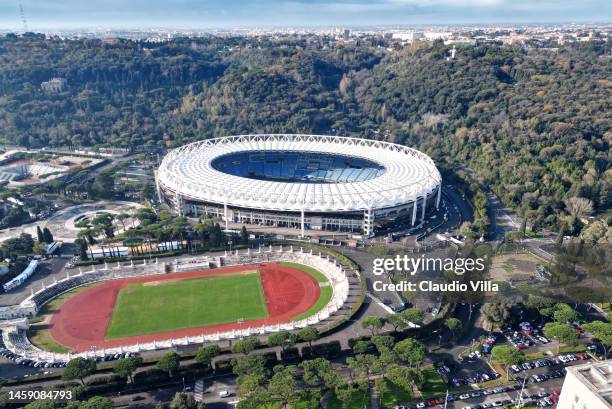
[225, 394]
[464, 396]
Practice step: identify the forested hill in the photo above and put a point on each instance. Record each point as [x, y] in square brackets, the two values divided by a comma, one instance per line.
[533, 123]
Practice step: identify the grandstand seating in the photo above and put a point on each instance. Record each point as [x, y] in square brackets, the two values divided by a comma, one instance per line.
[305, 167]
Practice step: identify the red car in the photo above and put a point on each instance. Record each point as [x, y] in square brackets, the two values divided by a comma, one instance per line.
[431, 402]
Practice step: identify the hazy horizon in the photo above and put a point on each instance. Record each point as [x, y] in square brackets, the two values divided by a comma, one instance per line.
[215, 14]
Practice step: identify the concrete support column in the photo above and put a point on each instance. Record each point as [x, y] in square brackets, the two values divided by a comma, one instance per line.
[179, 202]
[368, 223]
[303, 223]
[414, 210]
[225, 216]
[439, 196]
[158, 188]
[424, 207]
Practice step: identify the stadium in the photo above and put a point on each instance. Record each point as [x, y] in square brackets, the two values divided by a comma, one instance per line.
[304, 182]
[155, 305]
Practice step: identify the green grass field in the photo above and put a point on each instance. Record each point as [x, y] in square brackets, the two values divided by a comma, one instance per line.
[326, 290]
[397, 395]
[433, 384]
[147, 308]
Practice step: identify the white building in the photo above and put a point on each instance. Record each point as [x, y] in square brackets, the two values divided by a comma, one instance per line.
[409, 36]
[587, 386]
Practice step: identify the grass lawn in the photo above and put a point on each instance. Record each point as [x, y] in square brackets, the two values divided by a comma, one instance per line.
[147, 308]
[324, 284]
[397, 395]
[433, 384]
[359, 400]
[41, 337]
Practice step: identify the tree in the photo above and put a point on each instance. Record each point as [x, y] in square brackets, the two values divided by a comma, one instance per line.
[411, 351]
[374, 324]
[344, 393]
[104, 185]
[564, 313]
[47, 236]
[244, 235]
[39, 235]
[205, 354]
[497, 314]
[283, 339]
[319, 371]
[97, 402]
[579, 206]
[400, 375]
[382, 389]
[169, 363]
[184, 400]
[397, 321]
[508, 355]
[603, 332]
[563, 333]
[126, 367]
[308, 334]
[361, 346]
[42, 404]
[82, 248]
[253, 365]
[147, 191]
[79, 368]
[246, 345]
[283, 386]
[453, 324]
[414, 315]
[383, 342]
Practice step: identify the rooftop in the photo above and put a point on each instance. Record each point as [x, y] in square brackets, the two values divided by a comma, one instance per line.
[597, 377]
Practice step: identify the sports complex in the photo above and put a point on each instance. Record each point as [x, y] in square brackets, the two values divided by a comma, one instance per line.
[305, 182]
[156, 305]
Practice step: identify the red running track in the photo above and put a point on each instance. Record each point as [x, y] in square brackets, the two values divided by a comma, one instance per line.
[80, 323]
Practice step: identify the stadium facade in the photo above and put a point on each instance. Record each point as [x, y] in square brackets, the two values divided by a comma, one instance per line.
[306, 182]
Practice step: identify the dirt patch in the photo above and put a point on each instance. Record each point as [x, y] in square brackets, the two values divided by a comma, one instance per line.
[516, 266]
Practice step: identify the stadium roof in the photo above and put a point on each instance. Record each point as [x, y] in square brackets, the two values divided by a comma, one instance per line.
[408, 174]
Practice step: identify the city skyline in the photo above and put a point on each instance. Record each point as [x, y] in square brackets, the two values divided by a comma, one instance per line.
[193, 14]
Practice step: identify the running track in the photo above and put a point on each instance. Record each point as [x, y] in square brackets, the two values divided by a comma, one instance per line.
[81, 321]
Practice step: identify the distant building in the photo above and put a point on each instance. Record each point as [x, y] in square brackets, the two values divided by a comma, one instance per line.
[437, 35]
[54, 85]
[587, 386]
[346, 34]
[460, 41]
[409, 36]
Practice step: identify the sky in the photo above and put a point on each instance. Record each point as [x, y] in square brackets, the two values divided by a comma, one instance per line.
[203, 14]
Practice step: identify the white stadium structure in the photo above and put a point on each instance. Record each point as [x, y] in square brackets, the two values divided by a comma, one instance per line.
[306, 182]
